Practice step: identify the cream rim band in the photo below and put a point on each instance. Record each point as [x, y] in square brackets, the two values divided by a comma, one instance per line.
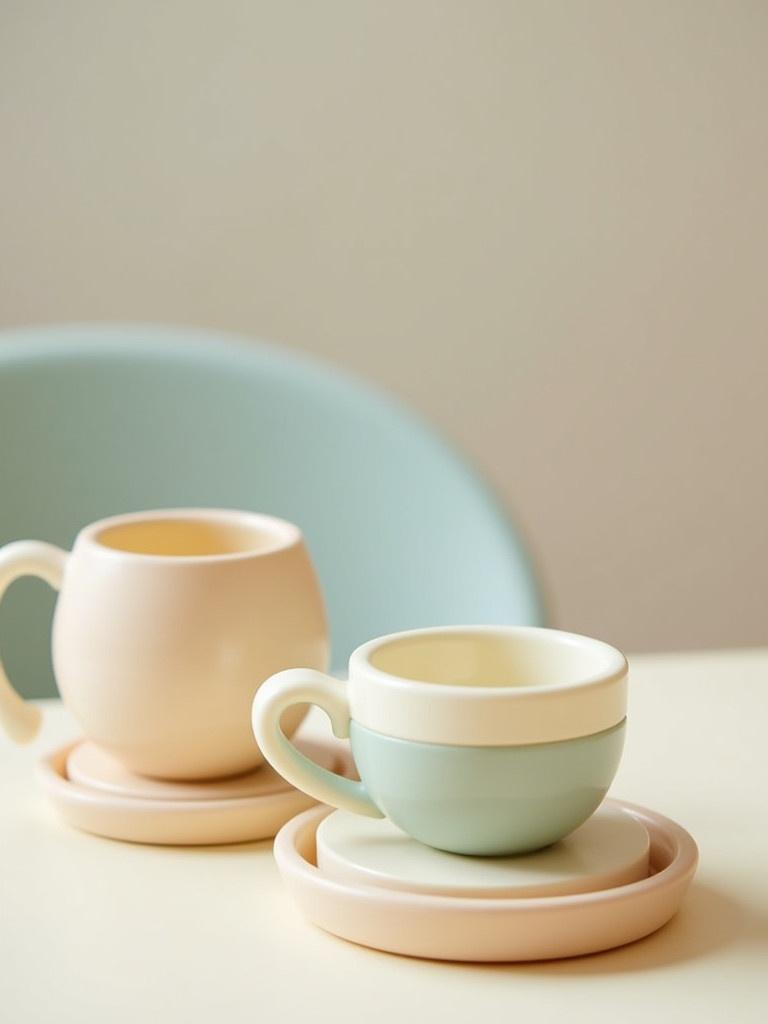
[479, 715]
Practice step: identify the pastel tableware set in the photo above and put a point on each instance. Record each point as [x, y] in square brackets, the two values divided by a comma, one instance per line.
[477, 830]
[472, 825]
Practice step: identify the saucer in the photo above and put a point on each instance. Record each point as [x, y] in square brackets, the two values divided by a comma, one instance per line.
[608, 850]
[157, 816]
[502, 929]
[89, 765]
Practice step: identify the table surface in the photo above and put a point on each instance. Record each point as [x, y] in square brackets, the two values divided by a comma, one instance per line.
[92, 929]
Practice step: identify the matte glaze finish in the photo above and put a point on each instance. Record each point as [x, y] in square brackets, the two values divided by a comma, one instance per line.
[168, 821]
[158, 655]
[474, 786]
[487, 800]
[473, 929]
[487, 686]
[609, 849]
[93, 768]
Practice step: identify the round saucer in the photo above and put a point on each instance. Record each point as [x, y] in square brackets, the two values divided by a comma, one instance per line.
[180, 822]
[502, 929]
[608, 850]
[90, 765]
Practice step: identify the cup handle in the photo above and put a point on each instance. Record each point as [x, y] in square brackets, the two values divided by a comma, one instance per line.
[25, 558]
[306, 686]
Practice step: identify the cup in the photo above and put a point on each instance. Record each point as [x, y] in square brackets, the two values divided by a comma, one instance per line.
[477, 740]
[166, 624]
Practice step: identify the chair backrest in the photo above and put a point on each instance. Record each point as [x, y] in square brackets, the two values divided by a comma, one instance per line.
[98, 420]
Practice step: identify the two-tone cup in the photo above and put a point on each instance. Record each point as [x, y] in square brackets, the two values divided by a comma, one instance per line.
[476, 740]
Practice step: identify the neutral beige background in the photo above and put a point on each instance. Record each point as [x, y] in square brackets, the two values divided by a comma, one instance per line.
[543, 224]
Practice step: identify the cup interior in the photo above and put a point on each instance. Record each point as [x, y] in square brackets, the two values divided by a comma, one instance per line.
[203, 535]
[498, 659]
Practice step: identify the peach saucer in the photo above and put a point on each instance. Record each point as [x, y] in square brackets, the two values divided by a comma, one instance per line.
[507, 929]
[89, 765]
[100, 797]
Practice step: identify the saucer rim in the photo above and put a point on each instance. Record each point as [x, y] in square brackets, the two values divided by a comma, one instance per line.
[684, 860]
[52, 768]
[332, 904]
[160, 822]
[279, 783]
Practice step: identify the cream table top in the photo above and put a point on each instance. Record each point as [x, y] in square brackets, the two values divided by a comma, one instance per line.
[95, 930]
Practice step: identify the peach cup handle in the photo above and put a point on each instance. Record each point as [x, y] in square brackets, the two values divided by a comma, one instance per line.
[307, 686]
[25, 558]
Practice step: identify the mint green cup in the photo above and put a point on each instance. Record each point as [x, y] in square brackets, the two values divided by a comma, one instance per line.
[487, 800]
[475, 740]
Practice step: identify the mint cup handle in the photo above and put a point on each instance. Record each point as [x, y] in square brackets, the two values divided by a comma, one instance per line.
[306, 686]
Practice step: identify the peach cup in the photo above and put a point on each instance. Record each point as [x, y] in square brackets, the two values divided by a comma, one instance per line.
[166, 624]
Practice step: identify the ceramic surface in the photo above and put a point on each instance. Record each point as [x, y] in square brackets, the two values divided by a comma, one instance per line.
[487, 800]
[466, 928]
[487, 685]
[90, 766]
[608, 850]
[183, 821]
[166, 624]
[476, 740]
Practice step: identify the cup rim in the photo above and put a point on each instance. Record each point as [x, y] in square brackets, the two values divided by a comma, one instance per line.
[412, 709]
[286, 534]
[616, 667]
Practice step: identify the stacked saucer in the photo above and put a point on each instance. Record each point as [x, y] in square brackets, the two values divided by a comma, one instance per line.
[617, 878]
[94, 792]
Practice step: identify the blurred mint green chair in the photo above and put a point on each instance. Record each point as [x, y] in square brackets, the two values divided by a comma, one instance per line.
[96, 420]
